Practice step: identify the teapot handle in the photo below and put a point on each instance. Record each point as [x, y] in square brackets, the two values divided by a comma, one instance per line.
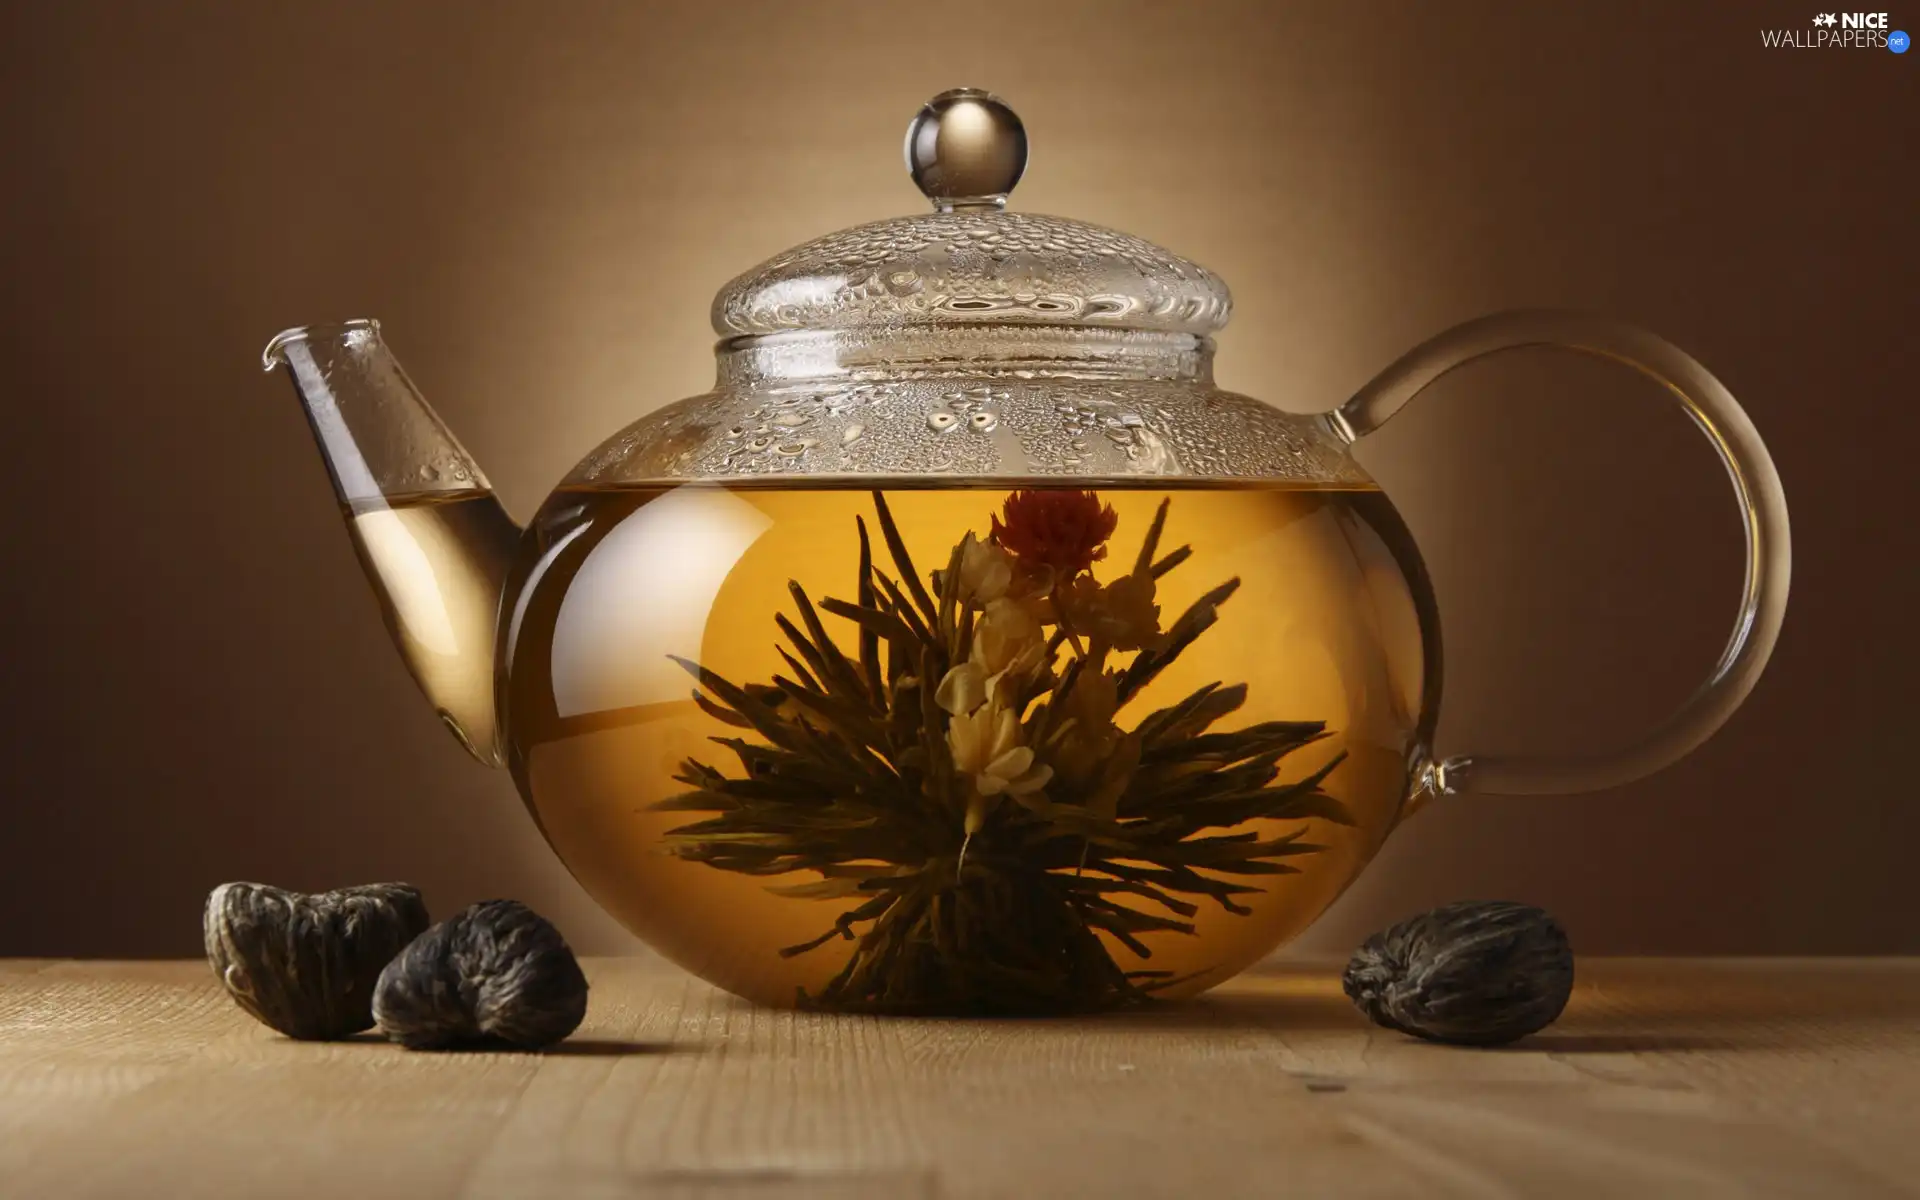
[1763, 514]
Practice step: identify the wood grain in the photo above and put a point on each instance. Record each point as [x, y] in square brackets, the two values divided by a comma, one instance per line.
[1665, 1078]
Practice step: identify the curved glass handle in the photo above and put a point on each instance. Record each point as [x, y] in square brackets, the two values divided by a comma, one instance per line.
[1763, 514]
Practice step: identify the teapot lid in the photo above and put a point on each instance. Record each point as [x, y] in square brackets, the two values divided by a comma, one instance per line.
[971, 261]
[969, 342]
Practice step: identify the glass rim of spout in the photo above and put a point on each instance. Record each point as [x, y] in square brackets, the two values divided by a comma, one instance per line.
[272, 355]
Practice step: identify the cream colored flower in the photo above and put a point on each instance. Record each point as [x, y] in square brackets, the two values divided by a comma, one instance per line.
[1008, 645]
[1122, 613]
[962, 689]
[987, 749]
[1008, 637]
[986, 571]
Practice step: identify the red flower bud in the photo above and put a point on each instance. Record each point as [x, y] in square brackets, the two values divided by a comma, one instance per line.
[1066, 531]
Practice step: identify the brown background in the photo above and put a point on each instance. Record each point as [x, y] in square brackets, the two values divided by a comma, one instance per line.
[539, 199]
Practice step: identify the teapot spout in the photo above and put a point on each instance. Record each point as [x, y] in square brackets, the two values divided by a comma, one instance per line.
[430, 534]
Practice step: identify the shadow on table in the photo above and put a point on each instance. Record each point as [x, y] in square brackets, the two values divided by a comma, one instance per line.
[1280, 1013]
[1623, 1043]
[571, 1048]
[612, 1048]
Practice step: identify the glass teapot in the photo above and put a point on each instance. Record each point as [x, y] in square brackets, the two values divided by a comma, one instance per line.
[965, 649]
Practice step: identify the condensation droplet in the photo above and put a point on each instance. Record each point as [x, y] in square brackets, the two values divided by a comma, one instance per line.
[940, 422]
[429, 472]
[791, 420]
[794, 449]
[984, 421]
[853, 433]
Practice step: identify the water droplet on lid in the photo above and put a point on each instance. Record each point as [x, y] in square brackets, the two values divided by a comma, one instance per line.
[940, 422]
[794, 449]
[853, 433]
[984, 421]
[790, 420]
[429, 472]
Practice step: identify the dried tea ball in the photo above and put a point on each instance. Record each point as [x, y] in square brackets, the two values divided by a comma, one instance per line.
[1477, 973]
[499, 973]
[306, 965]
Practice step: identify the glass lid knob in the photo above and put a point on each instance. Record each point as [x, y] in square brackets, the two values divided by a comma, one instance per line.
[966, 149]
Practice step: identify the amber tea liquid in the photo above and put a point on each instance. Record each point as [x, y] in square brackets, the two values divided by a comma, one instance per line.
[1332, 623]
[438, 562]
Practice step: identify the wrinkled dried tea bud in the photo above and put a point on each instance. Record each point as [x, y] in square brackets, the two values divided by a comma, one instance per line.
[1477, 973]
[306, 965]
[497, 973]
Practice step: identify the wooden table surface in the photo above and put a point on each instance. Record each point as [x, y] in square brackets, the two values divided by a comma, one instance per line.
[1665, 1078]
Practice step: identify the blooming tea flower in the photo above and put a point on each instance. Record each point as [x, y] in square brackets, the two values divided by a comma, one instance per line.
[1113, 820]
[1062, 531]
